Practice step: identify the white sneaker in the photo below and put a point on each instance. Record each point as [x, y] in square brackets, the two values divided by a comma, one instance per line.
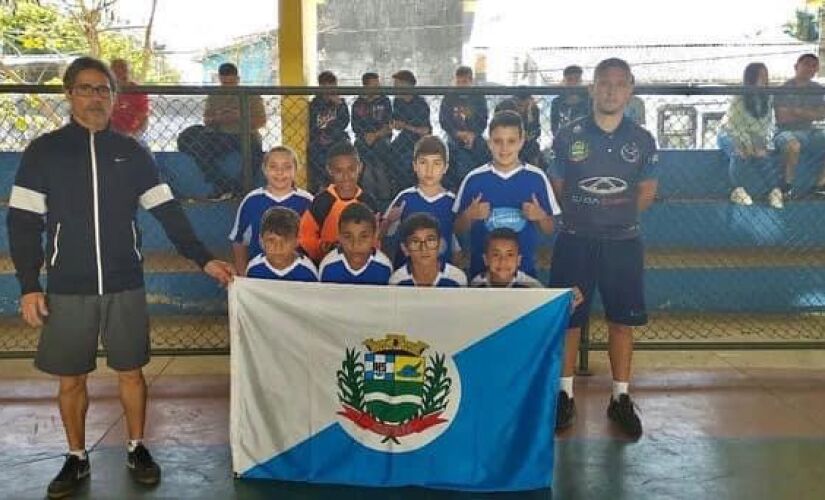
[775, 198]
[740, 197]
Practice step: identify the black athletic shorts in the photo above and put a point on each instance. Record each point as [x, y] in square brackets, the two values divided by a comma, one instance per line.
[613, 267]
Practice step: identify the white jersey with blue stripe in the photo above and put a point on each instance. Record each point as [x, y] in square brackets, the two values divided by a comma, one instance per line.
[520, 280]
[302, 269]
[247, 225]
[448, 276]
[336, 269]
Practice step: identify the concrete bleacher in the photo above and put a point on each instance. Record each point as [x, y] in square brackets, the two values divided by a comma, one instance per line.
[704, 253]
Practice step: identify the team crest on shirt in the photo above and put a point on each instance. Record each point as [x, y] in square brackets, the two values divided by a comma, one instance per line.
[630, 152]
[395, 397]
[579, 151]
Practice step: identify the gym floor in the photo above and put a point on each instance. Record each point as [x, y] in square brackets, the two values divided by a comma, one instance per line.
[718, 425]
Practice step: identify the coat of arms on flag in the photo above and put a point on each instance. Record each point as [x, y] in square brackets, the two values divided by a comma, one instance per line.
[395, 389]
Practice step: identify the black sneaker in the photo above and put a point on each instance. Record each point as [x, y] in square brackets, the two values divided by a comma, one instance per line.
[144, 470]
[565, 411]
[70, 477]
[623, 412]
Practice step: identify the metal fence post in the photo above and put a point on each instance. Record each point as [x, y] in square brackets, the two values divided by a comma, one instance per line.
[246, 142]
[584, 351]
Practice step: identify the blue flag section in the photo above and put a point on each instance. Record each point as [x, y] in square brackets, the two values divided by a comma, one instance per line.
[475, 414]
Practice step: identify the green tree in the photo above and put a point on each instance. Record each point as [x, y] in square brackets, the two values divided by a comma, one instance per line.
[75, 28]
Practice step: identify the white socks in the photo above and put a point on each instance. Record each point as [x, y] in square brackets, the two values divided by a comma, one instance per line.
[619, 388]
[566, 385]
[133, 444]
[81, 454]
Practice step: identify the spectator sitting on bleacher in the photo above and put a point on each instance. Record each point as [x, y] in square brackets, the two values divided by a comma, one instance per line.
[220, 135]
[745, 137]
[130, 114]
[464, 118]
[571, 105]
[328, 122]
[279, 167]
[795, 115]
[411, 117]
[371, 119]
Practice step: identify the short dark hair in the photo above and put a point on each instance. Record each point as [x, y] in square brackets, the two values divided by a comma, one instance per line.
[343, 148]
[464, 71]
[508, 104]
[573, 69]
[369, 75]
[612, 62]
[84, 63]
[506, 118]
[807, 55]
[327, 78]
[227, 69]
[405, 75]
[501, 233]
[357, 213]
[282, 221]
[430, 145]
[416, 221]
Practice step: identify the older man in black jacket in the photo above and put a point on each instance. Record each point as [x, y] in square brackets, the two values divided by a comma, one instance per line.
[82, 184]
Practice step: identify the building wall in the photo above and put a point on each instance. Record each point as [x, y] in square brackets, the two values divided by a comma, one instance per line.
[256, 62]
[424, 36]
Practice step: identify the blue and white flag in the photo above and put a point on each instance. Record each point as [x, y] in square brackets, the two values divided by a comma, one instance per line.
[395, 386]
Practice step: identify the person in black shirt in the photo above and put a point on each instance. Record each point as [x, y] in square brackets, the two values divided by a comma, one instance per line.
[328, 122]
[572, 105]
[371, 122]
[464, 118]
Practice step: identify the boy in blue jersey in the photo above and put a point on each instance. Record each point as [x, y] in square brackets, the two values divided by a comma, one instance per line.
[502, 259]
[429, 196]
[279, 167]
[604, 171]
[421, 239]
[505, 193]
[356, 260]
[411, 118]
[280, 259]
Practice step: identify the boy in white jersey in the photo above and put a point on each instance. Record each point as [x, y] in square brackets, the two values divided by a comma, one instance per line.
[280, 259]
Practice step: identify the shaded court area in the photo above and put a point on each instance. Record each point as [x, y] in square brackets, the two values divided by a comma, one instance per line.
[717, 425]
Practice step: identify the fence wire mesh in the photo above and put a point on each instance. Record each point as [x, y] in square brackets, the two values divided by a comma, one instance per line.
[717, 269]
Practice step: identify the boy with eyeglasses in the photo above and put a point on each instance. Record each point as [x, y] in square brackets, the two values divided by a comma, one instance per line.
[421, 239]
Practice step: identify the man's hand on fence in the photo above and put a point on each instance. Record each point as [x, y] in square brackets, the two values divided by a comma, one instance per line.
[220, 271]
[33, 308]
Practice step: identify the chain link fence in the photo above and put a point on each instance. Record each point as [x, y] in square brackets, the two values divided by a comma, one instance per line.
[718, 273]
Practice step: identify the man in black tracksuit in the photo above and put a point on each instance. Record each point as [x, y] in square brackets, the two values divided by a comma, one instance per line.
[82, 184]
